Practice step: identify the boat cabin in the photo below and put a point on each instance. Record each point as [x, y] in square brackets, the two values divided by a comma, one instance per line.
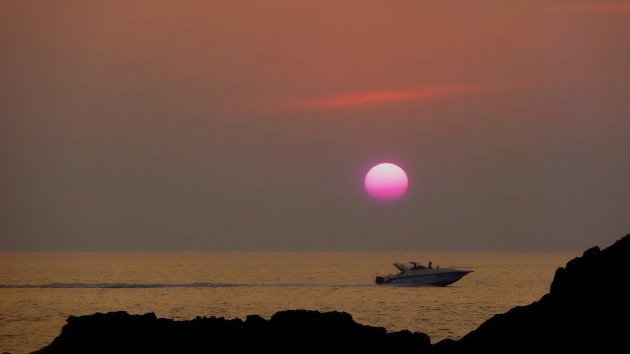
[417, 265]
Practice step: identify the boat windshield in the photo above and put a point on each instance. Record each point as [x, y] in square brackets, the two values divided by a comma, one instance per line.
[416, 266]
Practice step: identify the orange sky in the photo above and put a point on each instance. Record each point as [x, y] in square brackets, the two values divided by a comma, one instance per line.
[230, 118]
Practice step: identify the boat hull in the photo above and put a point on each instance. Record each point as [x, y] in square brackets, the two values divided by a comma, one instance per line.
[437, 278]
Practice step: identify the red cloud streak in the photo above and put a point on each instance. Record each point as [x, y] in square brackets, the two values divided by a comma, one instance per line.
[377, 97]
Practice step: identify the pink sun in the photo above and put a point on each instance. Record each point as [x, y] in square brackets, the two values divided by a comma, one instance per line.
[386, 182]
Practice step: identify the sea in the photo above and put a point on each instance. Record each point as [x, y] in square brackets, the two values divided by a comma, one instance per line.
[38, 291]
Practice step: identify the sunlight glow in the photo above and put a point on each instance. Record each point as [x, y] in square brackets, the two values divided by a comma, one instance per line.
[386, 182]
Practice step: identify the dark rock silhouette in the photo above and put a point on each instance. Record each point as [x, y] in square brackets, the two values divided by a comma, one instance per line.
[587, 309]
[294, 331]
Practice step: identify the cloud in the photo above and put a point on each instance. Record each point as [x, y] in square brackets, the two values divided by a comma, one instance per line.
[346, 101]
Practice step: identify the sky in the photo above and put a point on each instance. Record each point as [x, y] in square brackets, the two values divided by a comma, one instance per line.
[250, 125]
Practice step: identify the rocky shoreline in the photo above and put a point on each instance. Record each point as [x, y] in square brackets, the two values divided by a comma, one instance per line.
[586, 309]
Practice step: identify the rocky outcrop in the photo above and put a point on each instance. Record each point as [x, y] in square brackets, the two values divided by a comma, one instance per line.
[586, 310]
[295, 331]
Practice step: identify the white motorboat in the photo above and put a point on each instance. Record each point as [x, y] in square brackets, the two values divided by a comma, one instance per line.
[415, 274]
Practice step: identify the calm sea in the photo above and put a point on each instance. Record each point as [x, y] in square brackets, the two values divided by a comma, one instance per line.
[38, 291]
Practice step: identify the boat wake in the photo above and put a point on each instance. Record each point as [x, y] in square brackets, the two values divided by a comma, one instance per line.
[163, 285]
[118, 285]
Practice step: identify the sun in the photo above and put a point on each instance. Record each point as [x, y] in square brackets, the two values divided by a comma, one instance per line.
[386, 182]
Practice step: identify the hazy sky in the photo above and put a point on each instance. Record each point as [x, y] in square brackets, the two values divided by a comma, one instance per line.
[180, 125]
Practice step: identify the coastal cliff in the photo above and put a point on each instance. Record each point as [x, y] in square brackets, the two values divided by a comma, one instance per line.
[294, 331]
[587, 308]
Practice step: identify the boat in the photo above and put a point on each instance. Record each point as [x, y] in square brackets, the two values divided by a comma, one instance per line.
[415, 274]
